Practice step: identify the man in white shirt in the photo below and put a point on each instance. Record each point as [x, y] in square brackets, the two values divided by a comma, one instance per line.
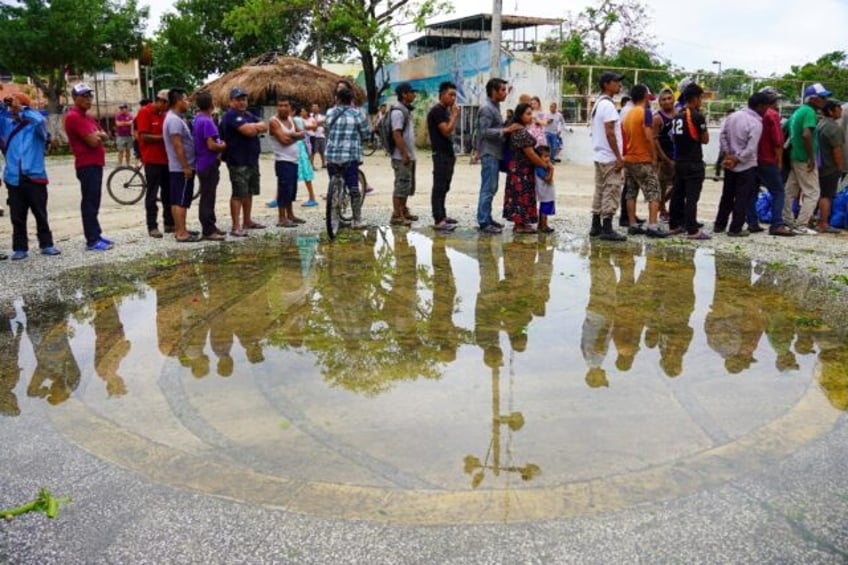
[606, 149]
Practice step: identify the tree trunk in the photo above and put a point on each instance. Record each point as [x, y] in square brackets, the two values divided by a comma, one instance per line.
[369, 72]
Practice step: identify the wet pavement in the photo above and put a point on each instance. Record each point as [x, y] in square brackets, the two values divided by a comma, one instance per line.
[403, 398]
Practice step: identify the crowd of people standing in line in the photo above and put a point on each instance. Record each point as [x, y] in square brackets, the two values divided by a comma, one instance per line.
[662, 155]
[635, 149]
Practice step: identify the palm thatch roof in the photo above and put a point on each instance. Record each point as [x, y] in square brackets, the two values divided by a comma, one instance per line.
[270, 76]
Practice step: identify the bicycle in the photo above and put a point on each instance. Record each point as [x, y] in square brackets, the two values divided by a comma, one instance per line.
[127, 185]
[372, 144]
[339, 210]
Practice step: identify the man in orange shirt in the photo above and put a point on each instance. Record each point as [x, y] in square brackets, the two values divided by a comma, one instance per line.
[640, 162]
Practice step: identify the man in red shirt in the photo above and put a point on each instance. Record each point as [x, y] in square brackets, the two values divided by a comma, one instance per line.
[86, 138]
[150, 120]
[770, 163]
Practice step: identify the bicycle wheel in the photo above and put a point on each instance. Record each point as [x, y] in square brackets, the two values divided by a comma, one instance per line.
[363, 186]
[371, 145]
[336, 195]
[126, 185]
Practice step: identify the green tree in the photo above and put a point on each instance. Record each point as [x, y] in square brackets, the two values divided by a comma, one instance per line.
[611, 25]
[365, 27]
[44, 39]
[197, 38]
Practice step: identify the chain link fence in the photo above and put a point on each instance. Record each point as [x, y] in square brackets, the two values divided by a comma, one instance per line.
[723, 91]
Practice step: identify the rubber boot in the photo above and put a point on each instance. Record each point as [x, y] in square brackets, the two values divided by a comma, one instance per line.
[596, 226]
[609, 234]
[356, 206]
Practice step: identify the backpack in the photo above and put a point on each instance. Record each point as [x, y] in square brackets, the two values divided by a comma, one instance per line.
[384, 129]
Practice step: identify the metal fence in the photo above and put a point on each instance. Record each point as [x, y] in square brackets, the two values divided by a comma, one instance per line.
[722, 91]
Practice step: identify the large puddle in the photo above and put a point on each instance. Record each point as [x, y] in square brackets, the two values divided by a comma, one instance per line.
[413, 379]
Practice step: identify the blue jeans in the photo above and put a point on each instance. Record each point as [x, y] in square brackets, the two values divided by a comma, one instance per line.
[489, 171]
[771, 178]
[91, 182]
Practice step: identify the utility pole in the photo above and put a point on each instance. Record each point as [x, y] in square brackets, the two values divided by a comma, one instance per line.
[495, 64]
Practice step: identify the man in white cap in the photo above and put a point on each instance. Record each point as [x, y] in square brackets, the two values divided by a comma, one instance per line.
[804, 177]
[86, 138]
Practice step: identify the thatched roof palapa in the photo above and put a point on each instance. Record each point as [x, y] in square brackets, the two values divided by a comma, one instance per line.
[270, 76]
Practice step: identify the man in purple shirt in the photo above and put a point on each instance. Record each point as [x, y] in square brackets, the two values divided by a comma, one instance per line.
[740, 138]
[207, 148]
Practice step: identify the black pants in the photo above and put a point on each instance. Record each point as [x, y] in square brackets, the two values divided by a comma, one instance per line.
[29, 196]
[91, 189]
[157, 187]
[443, 165]
[736, 195]
[688, 182]
[208, 191]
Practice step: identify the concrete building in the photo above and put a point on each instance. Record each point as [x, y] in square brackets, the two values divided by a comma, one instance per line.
[460, 51]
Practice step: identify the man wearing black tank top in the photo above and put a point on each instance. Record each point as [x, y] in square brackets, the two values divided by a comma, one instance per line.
[665, 148]
[689, 131]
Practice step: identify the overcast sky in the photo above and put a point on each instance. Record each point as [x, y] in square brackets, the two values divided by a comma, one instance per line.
[762, 36]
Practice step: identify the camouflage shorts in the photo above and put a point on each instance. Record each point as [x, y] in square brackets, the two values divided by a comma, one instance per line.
[642, 176]
[404, 178]
[244, 180]
[608, 183]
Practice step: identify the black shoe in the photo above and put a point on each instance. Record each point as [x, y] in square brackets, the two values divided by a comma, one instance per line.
[656, 233]
[756, 229]
[613, 236]
[596, 226]
[3, 256]
[782, 231]
[609, 234]
[636, 230]
[170, 229]
[718, 229]
[699, 224]
[496, 224]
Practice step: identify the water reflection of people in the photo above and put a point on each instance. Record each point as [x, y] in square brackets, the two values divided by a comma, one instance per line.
[600, 313]
[735, 322]
[487, 311]
[110, 346]
[10, 370]
[441, 330]
[633, 304]
[181, 318]
[832, 370]
[671, 283]
[518, 289]
[56, 373]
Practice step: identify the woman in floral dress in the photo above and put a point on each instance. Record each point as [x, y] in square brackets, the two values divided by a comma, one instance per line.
[520, 194]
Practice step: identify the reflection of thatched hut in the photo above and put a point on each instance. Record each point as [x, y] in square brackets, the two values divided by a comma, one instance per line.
[269, 76]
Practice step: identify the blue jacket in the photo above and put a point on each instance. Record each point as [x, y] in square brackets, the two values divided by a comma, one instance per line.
[25, 154]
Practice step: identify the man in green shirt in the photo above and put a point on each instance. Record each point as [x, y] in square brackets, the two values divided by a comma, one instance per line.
[831, 141]
[803, 177]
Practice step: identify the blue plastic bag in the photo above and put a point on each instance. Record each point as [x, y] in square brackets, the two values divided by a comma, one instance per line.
[839, 211]
[764, 207]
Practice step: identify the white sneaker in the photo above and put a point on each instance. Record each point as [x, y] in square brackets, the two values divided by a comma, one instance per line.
[801, 230]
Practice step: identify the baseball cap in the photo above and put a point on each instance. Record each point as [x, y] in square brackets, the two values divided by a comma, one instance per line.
[609, 77]
[650, 95]
[772, 93]
[816, 90]
[404, 88]
[162, 94]
[237, 93]
[81, 89]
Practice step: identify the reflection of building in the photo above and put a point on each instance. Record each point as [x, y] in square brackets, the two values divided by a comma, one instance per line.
[459, 51]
